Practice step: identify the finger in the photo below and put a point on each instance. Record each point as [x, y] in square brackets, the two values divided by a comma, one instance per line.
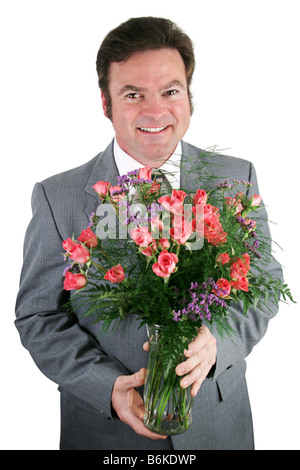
[139, 410]
[198, 342]
[198, 373]
[189, 364]
[146, 346]
[196, 387]
[139, 427]
[134, 417]
[133, 381]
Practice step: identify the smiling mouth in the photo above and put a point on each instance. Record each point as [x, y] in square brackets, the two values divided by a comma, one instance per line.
[153, 130]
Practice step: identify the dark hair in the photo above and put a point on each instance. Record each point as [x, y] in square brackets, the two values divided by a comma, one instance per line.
[140, 35]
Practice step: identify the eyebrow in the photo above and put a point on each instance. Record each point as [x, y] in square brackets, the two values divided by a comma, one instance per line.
[173, 83]
[131, 88]
[137, 89]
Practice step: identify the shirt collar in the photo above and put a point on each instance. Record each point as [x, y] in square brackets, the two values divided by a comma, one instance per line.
[171, 167]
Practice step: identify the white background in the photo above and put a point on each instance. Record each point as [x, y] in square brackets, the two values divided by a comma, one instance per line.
[246, 89]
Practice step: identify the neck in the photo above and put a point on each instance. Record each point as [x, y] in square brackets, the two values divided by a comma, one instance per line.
[153, 162]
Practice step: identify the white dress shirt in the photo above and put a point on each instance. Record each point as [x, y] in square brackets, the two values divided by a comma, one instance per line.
[171, 167]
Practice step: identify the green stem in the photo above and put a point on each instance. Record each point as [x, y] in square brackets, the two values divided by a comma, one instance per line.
[167, 390]
[153, 383]
[105, 254]
[162, 391]
[99, 267]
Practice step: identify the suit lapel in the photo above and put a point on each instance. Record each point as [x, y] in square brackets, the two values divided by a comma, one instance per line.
[105, 169]
[189, 172]
[200, 168]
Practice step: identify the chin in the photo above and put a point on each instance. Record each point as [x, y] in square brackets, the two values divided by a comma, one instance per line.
[158, 151]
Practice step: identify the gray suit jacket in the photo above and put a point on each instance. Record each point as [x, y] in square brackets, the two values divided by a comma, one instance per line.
[67, 347]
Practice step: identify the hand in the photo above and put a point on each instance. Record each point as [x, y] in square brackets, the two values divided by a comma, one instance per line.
[129, 405]
[201, 356]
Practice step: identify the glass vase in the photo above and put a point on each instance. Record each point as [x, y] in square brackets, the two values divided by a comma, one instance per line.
[167, 405]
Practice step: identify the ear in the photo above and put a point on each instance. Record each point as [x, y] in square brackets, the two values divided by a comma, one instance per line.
[104, 104]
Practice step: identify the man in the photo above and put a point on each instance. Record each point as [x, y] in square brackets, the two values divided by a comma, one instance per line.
[145, 68]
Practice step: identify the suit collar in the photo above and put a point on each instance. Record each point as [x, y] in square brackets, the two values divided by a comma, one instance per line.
[105, 168]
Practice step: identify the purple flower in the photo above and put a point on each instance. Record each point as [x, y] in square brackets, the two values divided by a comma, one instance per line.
[201, 302]
[176, 315]
[224, 185]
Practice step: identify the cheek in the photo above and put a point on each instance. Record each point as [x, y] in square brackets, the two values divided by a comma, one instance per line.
[182, 113]
[124, 116]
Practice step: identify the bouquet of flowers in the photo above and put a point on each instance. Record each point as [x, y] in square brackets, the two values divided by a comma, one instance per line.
[180, 260]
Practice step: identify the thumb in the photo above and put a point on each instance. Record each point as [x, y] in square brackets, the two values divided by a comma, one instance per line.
[125, 383]
[137, 379]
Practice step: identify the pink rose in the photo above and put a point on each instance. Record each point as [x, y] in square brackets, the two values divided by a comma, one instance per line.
[115, 274]
[165, 201]
[77, 252]
[241, 283]
[223, 258]
[69, 245]
[164, 243]
[101, 188]
[200, 197]
[251, 223]
[234, 202]
[210, 210]
[88, 237]
[181, 230]
[150, 250]
[145, 173]
[224, 287]
[154, 187]
[213, 231]
[212, 228]
[173, 203]
[255, 200]
[156, 223]
[141, 236]
[166, 264]
[80, 254]
[112, 189]
[74, 281]
[115, 197]
[178, 195]
[240, 267]
[206, 211]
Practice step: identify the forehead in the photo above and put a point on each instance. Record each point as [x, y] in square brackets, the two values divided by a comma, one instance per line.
[144, 69]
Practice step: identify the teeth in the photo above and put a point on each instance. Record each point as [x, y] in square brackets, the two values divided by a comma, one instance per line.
[153, 129]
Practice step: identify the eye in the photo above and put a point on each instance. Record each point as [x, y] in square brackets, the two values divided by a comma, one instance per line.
[133, 96]
[171, 92]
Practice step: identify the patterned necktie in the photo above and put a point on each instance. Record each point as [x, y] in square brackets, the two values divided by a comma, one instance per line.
[160, 178]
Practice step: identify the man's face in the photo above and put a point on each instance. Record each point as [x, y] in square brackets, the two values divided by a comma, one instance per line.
[150, 104]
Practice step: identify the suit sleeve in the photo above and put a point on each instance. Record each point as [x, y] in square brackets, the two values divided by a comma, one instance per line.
[251, 328]
[62, 350]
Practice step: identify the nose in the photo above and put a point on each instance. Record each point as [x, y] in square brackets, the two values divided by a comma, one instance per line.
[153, 107]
